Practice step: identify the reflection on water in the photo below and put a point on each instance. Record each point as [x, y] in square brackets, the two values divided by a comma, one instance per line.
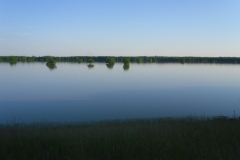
[126, 67]
[74, 93]
[51, 67]
[90, 66]
[110, 66]
[12, 63]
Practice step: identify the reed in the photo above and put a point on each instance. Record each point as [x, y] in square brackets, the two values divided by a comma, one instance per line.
[160, 138]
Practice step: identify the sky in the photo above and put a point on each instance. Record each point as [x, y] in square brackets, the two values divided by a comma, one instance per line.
[120, 28]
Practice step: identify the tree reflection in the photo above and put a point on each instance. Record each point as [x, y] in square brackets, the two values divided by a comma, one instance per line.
[13, 63]
[51, 67]
[90, 66]
[126, 67]
[51, 64]
[110, 66]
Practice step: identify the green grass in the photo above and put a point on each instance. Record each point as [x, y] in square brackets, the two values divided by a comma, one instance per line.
[186, 138]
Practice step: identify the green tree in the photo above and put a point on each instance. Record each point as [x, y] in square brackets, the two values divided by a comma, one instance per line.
[13, 60]
[126, 60]
[90, 61]
[51, 63]
[126, 67]
[110, 61]
[23, 59]
[149, 60]
[182, 60]
[155, 60]
[139, 60]
[79, 60]
[31, 59]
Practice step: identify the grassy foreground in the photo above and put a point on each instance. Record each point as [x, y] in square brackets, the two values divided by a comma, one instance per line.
[186, 138]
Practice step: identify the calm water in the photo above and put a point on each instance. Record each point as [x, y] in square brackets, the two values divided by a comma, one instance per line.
[31, 92]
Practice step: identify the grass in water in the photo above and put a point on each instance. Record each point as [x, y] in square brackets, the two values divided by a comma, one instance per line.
[168, 138]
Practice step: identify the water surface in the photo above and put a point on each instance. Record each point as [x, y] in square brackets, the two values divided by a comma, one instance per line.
[72, 92]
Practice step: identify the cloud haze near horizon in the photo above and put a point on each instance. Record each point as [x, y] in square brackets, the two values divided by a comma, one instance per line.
[120, 28]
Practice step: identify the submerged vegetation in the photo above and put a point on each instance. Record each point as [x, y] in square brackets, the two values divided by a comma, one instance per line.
[51, 64]
[110, 61]
[186, 138]
[79, 60]
[90, 61]
[126, 61]
[13, 60]
[110, 66]
[137, 59]
[90, 66]
[126, 66]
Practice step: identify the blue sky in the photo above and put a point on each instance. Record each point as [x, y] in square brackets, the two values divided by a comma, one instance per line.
[120, 27]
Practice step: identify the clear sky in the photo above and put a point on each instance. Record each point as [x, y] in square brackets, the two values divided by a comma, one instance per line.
[120, 27]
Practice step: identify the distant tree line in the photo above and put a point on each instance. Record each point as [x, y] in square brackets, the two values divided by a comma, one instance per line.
[137, 59]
